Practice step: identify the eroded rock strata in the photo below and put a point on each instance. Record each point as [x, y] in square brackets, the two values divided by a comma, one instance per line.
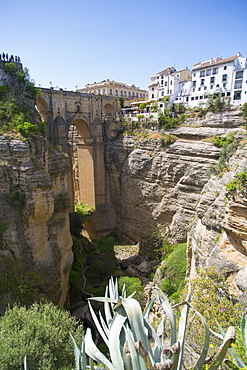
[170, 188]
[38, 228]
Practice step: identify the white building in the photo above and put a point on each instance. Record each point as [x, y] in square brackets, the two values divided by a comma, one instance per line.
[226, 77]
[167, 83]
[113, 88]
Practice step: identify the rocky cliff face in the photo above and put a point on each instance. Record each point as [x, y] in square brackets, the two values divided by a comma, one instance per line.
[218, 237]
[169, 188]
[34, 203]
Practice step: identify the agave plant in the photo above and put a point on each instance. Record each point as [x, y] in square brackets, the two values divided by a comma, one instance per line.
[237, 362]
[132, 342]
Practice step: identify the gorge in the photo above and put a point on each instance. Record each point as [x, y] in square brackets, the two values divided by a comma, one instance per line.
[140, 182]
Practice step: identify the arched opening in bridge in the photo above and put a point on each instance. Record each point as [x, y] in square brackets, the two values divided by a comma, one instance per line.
[85, 164]
[43, 109]
[108, 109]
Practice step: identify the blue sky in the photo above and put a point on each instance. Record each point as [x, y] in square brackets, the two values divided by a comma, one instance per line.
[76, 42]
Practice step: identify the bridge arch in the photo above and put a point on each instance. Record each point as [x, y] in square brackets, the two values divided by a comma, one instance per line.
[82, 161]
[43, 109]
[108, 109]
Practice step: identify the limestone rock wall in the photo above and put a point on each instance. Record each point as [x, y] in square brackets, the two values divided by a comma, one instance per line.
[38, 231]
[155, 187]
[218, 237]
[170, 189]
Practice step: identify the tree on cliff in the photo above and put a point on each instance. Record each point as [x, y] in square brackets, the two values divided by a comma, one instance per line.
[17, 94]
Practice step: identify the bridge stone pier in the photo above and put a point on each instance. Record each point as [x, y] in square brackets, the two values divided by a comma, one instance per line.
[80, 123]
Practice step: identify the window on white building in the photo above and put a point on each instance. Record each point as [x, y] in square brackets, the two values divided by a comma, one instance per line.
[224, 84]
[194, 83]
[225, 67]
[224, 78]
[202, 74]
[237, 95]
[152, 95]
[165, 83]
[238, 84]
[199, 89]
[162, 93]
[239, 74]
[215, 71]
[162, 81]
[125, 93]
[192, 98]
[208, 72]
[110, 92]
[202, 81]
[205, 87]
[194, 74]
[116, 92]
[170, 91]
[171, 83]
[212, 79]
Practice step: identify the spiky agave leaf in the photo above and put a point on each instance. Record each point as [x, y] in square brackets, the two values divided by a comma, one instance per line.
[115, 349]
[229, 338]
[169, 311]
[98, 326]
[203, 355]
[25, 363]
[244, 330]
[133, 309]
[80, 355]
[232, 350]
[157, 346]
[130, 346]
[93, 352]
[182, 328]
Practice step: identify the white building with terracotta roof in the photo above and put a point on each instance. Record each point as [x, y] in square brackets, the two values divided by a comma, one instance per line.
[226, 77]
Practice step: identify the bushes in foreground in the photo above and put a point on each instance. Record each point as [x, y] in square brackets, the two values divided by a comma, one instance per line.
[41, 333]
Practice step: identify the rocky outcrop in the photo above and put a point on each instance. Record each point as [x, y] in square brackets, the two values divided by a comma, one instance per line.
[34, 205]
[218, 237]
[157, 187]
[170, 189]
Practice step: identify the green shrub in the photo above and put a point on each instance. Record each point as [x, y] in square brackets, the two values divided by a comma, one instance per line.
[83, 209]
[18, 283]
[239, 184]
[132, 284]
[212, 299]
[3, 229]
[244, 110]
[229, 145]
[27, 129]
[167, 140]
[174, 271]
[41, 333]
[16, 197]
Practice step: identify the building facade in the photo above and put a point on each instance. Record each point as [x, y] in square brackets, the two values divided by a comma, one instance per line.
[112, 88]
[225, 77]
[216, 76]
[167, 83]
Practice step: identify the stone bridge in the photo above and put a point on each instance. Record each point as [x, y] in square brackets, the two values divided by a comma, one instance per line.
[80, 123]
